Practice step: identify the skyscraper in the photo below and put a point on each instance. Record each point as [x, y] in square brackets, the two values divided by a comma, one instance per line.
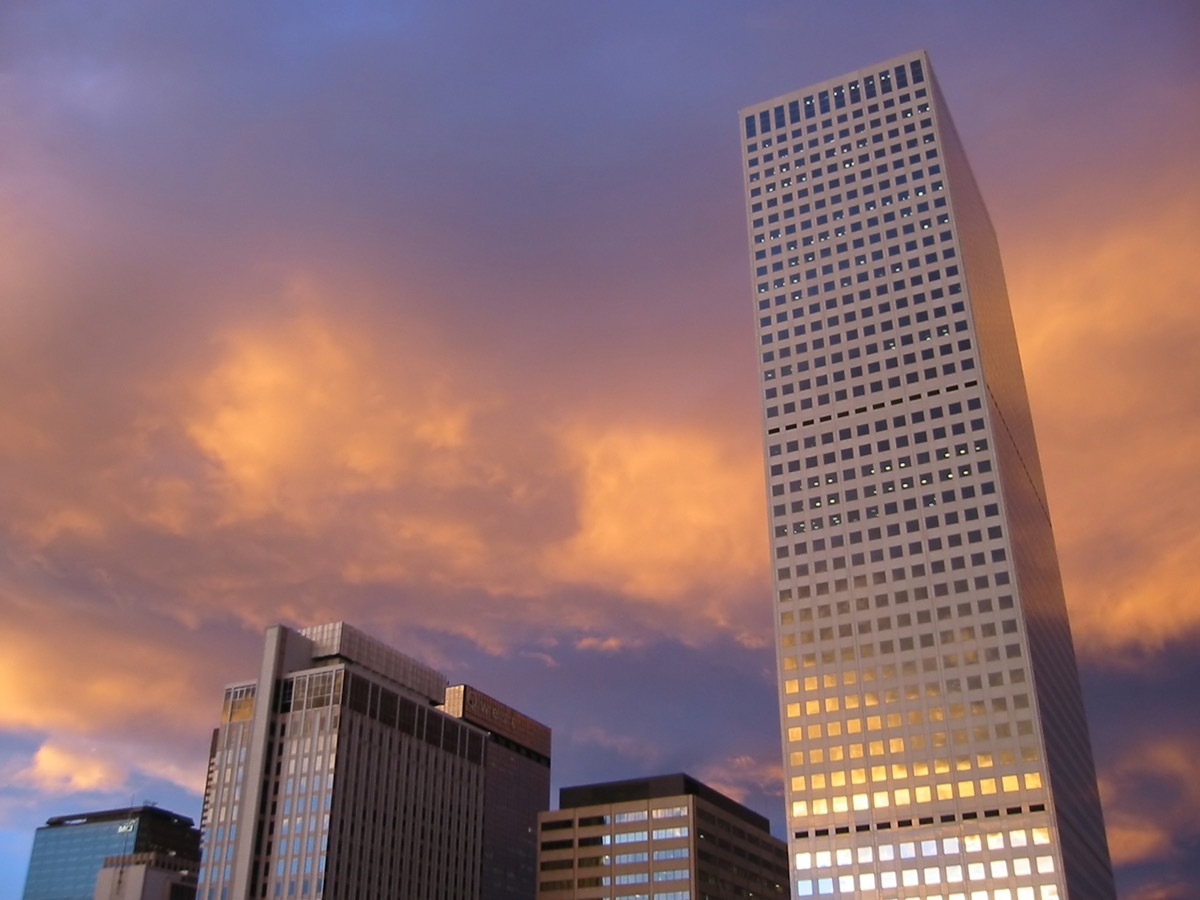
[70, 851]
[669, 837]
[934, 735]
[338, 773]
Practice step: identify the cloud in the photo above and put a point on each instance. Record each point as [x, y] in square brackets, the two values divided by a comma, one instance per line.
[306, 410]
[1151, 794]
[742, 775]
[663, 512]
[1108, 331]
[605, 645]
[644, 753]
[58, 769]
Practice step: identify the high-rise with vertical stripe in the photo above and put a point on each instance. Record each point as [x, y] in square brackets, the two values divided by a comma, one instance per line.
[935, 744]
[351, 770]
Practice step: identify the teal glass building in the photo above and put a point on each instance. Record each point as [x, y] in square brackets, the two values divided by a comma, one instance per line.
[69, 851]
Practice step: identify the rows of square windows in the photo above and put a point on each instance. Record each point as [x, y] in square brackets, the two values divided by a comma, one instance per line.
[593, 881]
[906, 173]
[619, 859]
[860, 243]
[850, 728]
[840, 752]
[907, 180]
[896, 771]
[858, 346]
[875, 797]
[845, 886]
[970, 629]
[922, 479]
[903, 326]
[938, 542]
[858, 205]
[620, 837]
[862, 311]
[958, 878]
[846, 434]
[852, 208]
[966, 634]
[856, 351]
[860, 258]
[870, 87]
[908, 667]
[842, 743]
[870, 493]
[779, 159]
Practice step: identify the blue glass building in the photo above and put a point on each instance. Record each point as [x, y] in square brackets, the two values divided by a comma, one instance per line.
[69, 851]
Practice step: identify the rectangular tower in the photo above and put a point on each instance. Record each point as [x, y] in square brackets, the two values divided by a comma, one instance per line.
[934, 735]
[337, 773]
[516, 789]
[669, 837]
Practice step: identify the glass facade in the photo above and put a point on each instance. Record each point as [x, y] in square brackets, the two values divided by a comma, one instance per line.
[69, 851]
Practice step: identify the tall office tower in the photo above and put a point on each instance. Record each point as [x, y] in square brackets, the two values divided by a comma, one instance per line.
[668, 838]
[516, 788]
[934, 735]
[351, 780]
[69, 851]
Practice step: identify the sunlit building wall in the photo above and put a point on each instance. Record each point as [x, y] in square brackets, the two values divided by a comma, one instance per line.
[669, 837]
[352, 780]
[934, 736]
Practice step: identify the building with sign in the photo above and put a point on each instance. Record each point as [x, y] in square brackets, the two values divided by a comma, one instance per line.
[69, 851]
[934, 734]
[516, 787]
[669, 837]
[348, 769]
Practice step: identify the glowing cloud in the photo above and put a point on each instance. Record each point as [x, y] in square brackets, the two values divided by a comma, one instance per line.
[305, 411]
[1108, 327]
[662, 514]
[58, 769]
[1150, 798]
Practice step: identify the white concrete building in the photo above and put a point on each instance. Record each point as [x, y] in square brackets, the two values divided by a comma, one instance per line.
[935, 744]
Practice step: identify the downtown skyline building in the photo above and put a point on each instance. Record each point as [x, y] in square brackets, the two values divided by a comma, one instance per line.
[349, 769]
[71, 853]
[934, 737]
[666, 837]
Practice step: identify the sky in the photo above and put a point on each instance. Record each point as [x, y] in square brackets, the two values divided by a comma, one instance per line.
[436, 318]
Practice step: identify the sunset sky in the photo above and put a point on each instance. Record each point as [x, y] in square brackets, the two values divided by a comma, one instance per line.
[436, 317]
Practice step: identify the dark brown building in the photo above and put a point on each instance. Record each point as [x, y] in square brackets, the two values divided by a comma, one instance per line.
[669, 837]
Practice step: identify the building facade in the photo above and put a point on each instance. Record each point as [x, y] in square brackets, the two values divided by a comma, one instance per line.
[69, 851]
[339, 773]
[934, 735]
[664, 838]
[516, 788]
[147, 876]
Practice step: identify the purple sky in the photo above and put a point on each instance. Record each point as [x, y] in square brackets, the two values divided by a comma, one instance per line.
[436, 318]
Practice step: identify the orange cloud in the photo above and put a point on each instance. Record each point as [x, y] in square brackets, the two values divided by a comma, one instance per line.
[1108, 329]
[1150, 796]
[71, 669]
[57, 769]
[741, 775]
[662, 513]
[605, 645]
[309, 410]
